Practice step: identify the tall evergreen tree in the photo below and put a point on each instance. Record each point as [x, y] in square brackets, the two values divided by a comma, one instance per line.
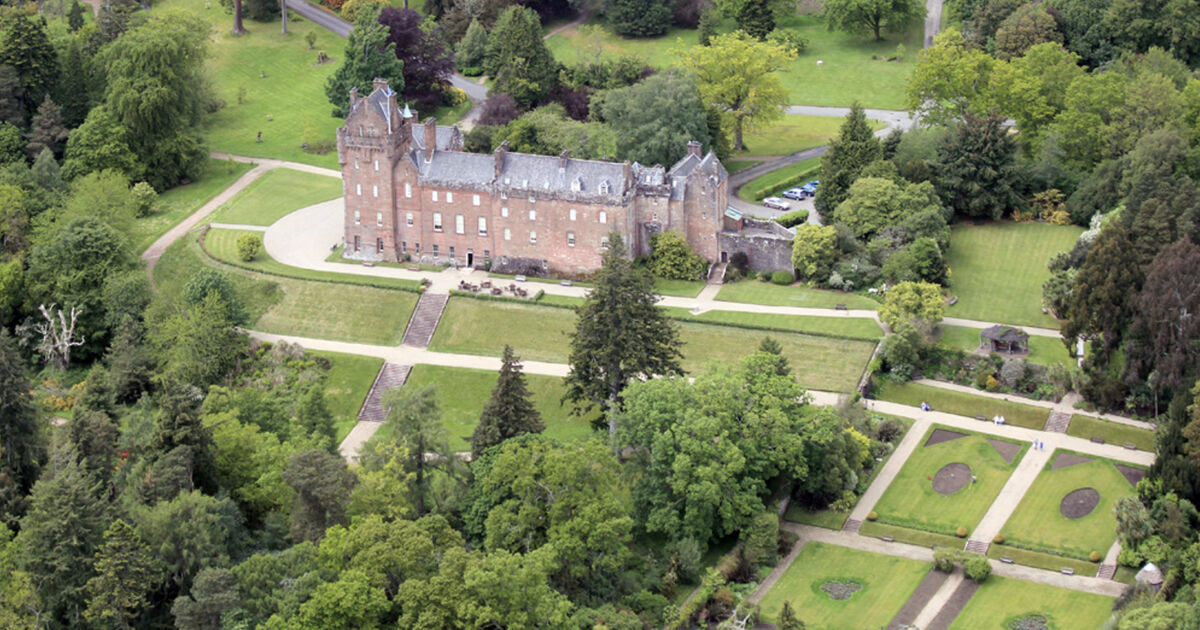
[368, 56]
[25, 45]
[509, 412]
[518, 58]
[977, 168]
[21, 444]
[79, 86]
[1104, 289]
[75, 16]
[710, 19]
[756, 18]
[322, 483]
[472, 48]
[416, 420]
[12, 95]
[125, 572]
[854, 148]
[46, 130]
[787, 618]
[619, 335]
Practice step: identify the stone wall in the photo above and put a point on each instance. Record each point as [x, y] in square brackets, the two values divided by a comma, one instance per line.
[767, 245]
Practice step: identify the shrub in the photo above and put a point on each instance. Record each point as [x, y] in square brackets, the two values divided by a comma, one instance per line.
[764, 277]
[1130, 558]
[999, 539]
[789, 38]
[674, 259]
[888, 430]
[977, 568]
[944, 559]
[1095, 556]
[686, 556]
[961, 532]
[760, 540]
[783, 278]
[144, 198]
[872, 515]
[787, 540]
[248, 246]
[793, 218]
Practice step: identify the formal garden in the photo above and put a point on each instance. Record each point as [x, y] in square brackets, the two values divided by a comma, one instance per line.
[1009, 604]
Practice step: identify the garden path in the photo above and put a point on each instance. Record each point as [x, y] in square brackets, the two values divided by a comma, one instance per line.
[1010, 496]
[904, 449]
[939, 599]
[1065, 405]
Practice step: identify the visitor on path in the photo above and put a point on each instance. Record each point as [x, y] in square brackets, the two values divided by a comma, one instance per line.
[925, 406]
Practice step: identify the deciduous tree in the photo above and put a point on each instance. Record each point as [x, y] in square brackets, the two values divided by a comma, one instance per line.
[368, 56]
[1028, 26]
[428, 61]
[654, 119]
[814, 250]
[873, 16]
[909, 301]
[638, 18]
[950, 80]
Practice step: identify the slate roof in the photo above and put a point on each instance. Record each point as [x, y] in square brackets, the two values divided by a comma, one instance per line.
[524, 171]
[1006, 334]
[1150, 574]
[456, 169]
[445, 136]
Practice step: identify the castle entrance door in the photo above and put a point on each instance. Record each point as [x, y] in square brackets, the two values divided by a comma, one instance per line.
[470, 258]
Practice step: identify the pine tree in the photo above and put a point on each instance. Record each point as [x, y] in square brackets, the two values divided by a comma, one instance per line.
[518, 58]
[770, 346]
[619, 335]
[707, 28]
[46, 172]
[509, 412]
[77, 86]
[313, 416]
[21, 446]
[125, 572]
[75, 16]
[368, 56]
[25, 45]
[977, 168]
[787, 618]
[46, 130]
[12, 111]
[854, 148]
[416, 422]
[756, 18]
[472, 49]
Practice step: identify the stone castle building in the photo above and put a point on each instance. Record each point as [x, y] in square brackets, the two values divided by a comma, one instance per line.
[412, 190]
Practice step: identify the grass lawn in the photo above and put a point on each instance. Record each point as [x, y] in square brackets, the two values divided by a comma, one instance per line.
[462, 394]
[178, 203]
[963, 404]
[1112, 432]
[1040, 560]
[770, 294]
[1039, 524]
[887, 582]
[856, 327]
[678, 288]
[732, 166]
[346, 385]
[1042, 350]
[998, 270]
[793, 133]
[276, 194]
[540, 334]
[911, 500]
[771, 183]
[1001, 601]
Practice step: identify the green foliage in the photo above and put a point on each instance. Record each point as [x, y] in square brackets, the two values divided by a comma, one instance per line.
[195, 342]
[873, 16]
[792, 219]
[548, 131]
[368, 56]
[472, 49]
[814, 251]
[23, 449]
[322, 484]
[249, 246]
[655, 119]
[760, 540]
[416, 424]
[12, 144]
[214, 593]
[1028, 26]
[902, 349]
[25, 46]
[125, 573]
[517, 57]
[756, 19]
[208, 281]
[788, 619]
[977, 568]
[674, 259]
[710, 19]
[46, 130]
[949, 80]
[782, 278]
[977, 169]
[873, 203]
[638, 18]
[102, 142]
[854, 148]
[790, 39]
[509, 412]
[908, 301]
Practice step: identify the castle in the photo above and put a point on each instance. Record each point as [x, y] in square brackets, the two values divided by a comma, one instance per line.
[411, 192]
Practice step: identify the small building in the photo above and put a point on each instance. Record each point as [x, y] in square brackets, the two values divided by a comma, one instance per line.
[1151, 575]
[1004, 339]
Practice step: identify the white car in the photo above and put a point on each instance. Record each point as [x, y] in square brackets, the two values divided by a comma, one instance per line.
[775, 203]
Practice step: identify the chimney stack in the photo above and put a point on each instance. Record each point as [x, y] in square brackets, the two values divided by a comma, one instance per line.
[693, 148]
[501, 151]
[430, 137]
[353, 97]
[562, 161]
[379, 83]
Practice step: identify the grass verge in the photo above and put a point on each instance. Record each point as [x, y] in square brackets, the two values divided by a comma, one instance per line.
[1001, 602]
[275, 195]
[766, 293]
[918, 537]
[1111, 432]
[180, 202]
[962, 404]
[844, 327]
[1042, 350]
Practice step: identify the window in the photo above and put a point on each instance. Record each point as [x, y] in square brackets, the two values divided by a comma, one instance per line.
[357, 243]
[655, 217]
[475, 200]
[572, 214]
[358, 189]
[377, 165]
[434, 193]
[408, 190]
[435, 252]
[532, 237]
[459, 227]
[532, 214]
[503, 194]
[570, 239]
[375, 191]
[507, 234]
[408, 219]
[403, 247]
[357, 217]
[603, 216]
[452, 251]
[417, 246]
[483, 226]
[356, 164]
[379, 219]
[604, 187]
[487, 255]
[504, 211]
[449, 197]
[437, 221]
[379, 244]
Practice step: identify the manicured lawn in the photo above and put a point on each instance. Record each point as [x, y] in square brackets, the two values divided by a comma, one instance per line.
[679, 288]
[184, 258]
[911, 500]
[963, 404]
[276, 194]
[1040, 560]
[1038, 522]
[1042, 350]
[1002, 601]
[1113, 433]
[887, 582]
[918, 537]
[178, 203]
[755, 292]
[771, 183]
[856, 327]
[998, 270]
[222, 245]
[739, 165]
[540, 334]
[462, 393]
[793, 133]
[346, 385]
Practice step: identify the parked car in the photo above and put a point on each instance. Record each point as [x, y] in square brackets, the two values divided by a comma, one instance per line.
[795, 193]
[775, 203]
[811, 187]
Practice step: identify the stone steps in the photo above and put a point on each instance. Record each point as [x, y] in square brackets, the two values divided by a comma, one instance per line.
[390, 375]
[1107, 571]
[425, 320]
[1058, 422]
[977, 546]
[852, 525]
[716, 275]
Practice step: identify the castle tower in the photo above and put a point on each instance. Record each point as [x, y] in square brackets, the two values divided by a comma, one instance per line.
[369, 144]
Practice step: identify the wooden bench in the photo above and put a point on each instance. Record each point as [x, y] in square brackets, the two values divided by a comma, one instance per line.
[887, 539]
[367, 263]
[982, 419]
[519, 278]
[1098, 440]
[841, 307]
[1006, 560]
[566, 283]
[1066, 571]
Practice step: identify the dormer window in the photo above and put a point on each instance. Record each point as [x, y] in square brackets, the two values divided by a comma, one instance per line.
[604, 187]
[577, 184]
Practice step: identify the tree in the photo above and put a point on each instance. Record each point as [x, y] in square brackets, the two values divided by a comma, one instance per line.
[710, 19]
[814, 250]
[248, 246]
[1083, 27]
[238, 29]
[671, 257]
[738, 76]
[509, 412]
[75, 16]
[189, 533]
[756, 18]
[46, 131]
[12, 104]
[417, 425]
[349, 603]
[874, 203]
[788, 619]
[1165, 322]
[472, 49]
[949, 80]
[873, 16]
[25, 46]
[197, 343]
[214, 593]
[428, 62]
[1032, 88]
[102, 142]
[902, 349]
[638, 18]
[1104, 289]
[619, 335]
[22, 449]
[368, 56]
[125, 573]
[58, 335]
[322, 484]
[153, 70]
[655, 119]
[12, 145]
[909, 301]
[1028, 26]
[851, 151]
[977, 168]
[518, 58]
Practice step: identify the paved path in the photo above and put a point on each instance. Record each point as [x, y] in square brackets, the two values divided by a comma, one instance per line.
[895, 462]
[352, 445]
[1064, 405]
[939, 599]
[1018, 484]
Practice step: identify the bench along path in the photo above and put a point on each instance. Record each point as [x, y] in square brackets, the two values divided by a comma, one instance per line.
[1064, 408]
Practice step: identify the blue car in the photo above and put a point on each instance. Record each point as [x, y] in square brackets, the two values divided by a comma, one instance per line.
[811, 187]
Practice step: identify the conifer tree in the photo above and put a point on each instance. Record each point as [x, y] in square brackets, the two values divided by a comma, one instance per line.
[787, 618]
[707, 28]
[977, 168]
[854, 148]
[619, 335]
[75, 16]
[25, 45]
[509, 412]
[125, 572]
[638, 18]
[46, 130]
[368, 56]
[770, 346]
[472, 49]
[755, 17]
[21, 447]
[417, 423]
[518, 58]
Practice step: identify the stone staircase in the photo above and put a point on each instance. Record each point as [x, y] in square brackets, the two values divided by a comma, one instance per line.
[716, 275]
[1107, 571]
[1058, 421]
[425, 320]
[977, 546]
[390, 375]
[852, 525]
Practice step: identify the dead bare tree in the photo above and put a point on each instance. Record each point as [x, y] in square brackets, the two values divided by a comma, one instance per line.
[58, 335]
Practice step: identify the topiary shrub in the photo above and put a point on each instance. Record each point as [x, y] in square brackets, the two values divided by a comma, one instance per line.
[961, 532]
[248, 246]
[1095, 556]
[873, 515]
[977, 568]
[944, 559]
[999, 539]
[782, 278]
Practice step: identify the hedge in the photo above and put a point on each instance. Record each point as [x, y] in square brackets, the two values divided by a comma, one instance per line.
[788, 182]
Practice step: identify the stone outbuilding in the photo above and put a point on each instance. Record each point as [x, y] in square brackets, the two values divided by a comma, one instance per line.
[1004, 339]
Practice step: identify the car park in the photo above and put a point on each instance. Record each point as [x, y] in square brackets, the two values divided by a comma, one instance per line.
[795, 193]
[775, 203]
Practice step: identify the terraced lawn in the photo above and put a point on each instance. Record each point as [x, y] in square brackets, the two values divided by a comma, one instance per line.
[755, 292]
[855, 327]
[885, 582]
[276, 194]
[911, 501]
[1111, 432]
[1001, 602]
[963, 404]
[998, 270]
[1042, 350]
[346, 385]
